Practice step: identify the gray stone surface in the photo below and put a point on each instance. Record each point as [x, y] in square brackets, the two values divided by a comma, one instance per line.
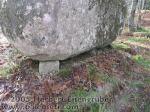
[59, 29]
[48, 67]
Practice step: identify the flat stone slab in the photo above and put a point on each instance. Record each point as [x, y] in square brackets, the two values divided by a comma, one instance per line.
[48, 67]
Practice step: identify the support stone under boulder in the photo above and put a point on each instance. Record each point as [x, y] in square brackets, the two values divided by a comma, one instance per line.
[48, 30]
[48, 66]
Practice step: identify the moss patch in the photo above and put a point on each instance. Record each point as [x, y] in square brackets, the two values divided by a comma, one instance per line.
[7, 71]
[140, 60]
[83, 102]
[91, 71]
[134, 39]
[4, 72]
[121, 46]
[65, 72]
[143, 30]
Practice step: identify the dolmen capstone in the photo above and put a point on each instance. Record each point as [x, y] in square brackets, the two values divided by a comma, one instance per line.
[54, 30]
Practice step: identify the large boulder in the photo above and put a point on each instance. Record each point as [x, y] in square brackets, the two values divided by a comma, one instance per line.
[59, 29]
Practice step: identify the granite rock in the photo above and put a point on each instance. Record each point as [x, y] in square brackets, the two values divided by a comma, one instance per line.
[59, 29]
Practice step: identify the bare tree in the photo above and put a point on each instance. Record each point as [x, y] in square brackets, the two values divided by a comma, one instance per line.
[140, 7]
[131, 21]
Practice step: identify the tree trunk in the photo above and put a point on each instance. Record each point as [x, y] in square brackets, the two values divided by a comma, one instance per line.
[132, 26]
[140, 7]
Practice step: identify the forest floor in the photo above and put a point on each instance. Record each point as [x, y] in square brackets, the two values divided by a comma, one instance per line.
[113, 79]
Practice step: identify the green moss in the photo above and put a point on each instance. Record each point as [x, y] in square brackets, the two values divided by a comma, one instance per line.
[136, 84]
[137, 57]
[4, 71]
[143, 30]
[94, 108]
[65, 72]
[95, 74]
[74, 106]
[146, 106]
[109, 79]
[82, 105]
[7, 71]
[79, 93]
[98, 108]
[140, 60]
[121, 46]
[92, 71]
[147, 80]
[133, 39]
